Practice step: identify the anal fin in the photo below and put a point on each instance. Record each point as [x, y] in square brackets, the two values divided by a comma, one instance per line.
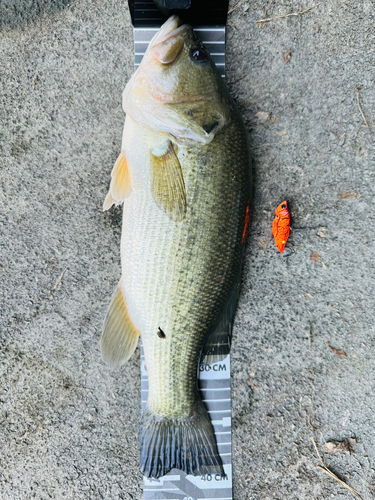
[120, 337]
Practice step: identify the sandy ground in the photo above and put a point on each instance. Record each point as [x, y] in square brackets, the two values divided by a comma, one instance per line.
[68, 424]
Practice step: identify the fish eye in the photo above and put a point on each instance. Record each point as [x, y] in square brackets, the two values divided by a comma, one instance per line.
[199, 54]
[283, 206]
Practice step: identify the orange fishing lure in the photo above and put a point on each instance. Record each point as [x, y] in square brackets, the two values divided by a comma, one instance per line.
[281, 226]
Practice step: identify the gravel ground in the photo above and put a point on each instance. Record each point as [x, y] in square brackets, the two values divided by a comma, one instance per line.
[68, 424]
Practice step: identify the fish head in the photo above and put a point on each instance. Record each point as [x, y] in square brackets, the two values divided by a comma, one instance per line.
[177, 88]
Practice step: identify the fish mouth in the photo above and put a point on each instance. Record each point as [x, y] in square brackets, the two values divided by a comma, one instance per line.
[172, 28]
[169, 41]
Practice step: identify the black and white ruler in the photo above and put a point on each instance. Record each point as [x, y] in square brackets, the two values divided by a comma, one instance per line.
[214, 380]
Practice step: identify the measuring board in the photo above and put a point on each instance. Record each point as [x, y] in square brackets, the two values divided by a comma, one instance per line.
[213, 380]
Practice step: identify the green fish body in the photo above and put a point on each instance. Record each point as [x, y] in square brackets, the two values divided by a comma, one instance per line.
[184, 178]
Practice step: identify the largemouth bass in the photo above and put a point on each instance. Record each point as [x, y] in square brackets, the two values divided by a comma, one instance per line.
[183, 176]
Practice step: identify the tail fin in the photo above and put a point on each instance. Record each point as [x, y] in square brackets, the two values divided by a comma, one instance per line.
[184, 443]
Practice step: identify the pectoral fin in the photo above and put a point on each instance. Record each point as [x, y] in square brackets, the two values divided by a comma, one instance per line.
[167, 181]
[120, 337]
[120, 186]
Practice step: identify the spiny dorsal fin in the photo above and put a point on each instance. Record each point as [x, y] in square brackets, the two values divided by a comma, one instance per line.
[120, 186]
[167, 181]
[120, 337]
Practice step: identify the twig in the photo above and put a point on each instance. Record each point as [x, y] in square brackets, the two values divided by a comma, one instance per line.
[352, 490]
[268, 19]
[360, 110]
[339, 352]
[311, 406]
[77, 387]
[266, 244]
[59, 279]
[236, 7]
[317, 452]
[330, 473]
[24, 435]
